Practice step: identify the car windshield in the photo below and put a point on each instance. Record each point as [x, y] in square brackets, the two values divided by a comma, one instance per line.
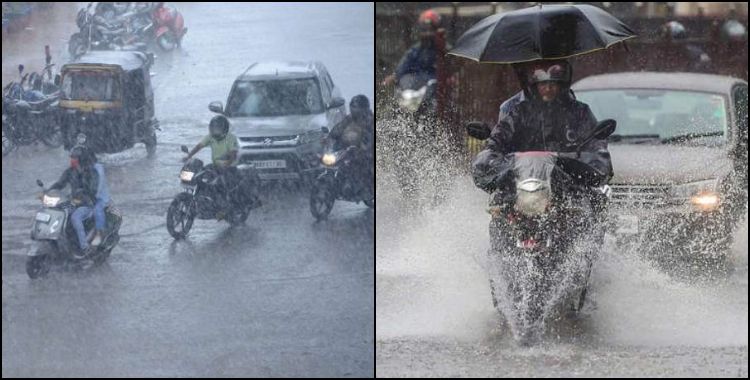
[275, 98]
[90, 85]
[662, 115]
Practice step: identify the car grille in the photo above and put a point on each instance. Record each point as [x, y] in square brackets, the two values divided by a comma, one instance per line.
[640, 196]
[263, 139]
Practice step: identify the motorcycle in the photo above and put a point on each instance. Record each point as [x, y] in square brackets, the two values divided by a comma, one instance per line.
[169, 27]
[57, 239]
[201, 199]
[548, 220]
[337, 182]
[97, 32]
[29, 113]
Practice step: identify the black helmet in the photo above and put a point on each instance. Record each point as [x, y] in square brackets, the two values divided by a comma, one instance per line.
[359, 106]
[218, 127]
[84, 155]
[673, 30]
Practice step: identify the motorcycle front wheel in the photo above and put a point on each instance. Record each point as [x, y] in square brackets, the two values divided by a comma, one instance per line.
[38, 266]
[52, 136]
[8, 144]
[321, 201]
[166, 42]
[76, 45]
[179, 216]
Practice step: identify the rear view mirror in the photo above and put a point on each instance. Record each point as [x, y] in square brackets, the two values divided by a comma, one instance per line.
[478, 130]
[604, 129]
[216, 107]
[336, 102]
[184, 149]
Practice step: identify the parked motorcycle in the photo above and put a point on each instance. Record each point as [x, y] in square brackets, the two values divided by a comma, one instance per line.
[548, 211]
[337, 181]
[56, 238]
[201, 199]
[97, 32]
[29, 111]
[169, 27]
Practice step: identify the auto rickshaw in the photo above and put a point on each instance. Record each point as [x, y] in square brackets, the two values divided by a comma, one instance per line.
[107, 96]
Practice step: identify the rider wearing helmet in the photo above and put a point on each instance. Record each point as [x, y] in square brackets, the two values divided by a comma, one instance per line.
[357, 130]
[421, 59]
[224, 149]
[544, 116]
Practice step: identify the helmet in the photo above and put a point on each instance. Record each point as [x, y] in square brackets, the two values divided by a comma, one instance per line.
[544, 71]
[673, 30]
[733, 30]
[428, 23]
[359, 106]
[81, 156]
[218, 127]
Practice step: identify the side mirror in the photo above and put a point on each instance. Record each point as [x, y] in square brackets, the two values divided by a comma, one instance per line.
[184, 149]
[216, 107]
[324, 130]
[58, 80]
[604, 129]
[336, 102]
[478, 130]
[39, 183]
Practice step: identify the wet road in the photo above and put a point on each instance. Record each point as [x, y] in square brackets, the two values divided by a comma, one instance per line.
[434, 313]
[279, 296]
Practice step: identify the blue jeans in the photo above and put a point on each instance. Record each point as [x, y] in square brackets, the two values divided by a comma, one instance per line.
[79, 215]
[99, 218]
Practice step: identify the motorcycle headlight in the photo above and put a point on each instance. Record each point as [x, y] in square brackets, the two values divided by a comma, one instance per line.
[50, 201]
[411, 99]
[328, 159]
[532, 197]
[186, 176]
[704, 195]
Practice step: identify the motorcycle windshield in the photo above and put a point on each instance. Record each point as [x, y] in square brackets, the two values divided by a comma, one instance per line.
[537, 165]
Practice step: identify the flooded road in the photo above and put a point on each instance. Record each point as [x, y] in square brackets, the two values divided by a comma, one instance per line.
[278, 296]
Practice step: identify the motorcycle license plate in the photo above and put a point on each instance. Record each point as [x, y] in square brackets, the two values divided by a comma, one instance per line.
[627, 224]
[42, 217]
[270, 164]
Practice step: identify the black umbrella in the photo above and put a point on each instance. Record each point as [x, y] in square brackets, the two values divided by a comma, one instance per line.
[541, 32]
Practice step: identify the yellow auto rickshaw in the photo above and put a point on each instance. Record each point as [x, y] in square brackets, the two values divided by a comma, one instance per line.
[107, 96]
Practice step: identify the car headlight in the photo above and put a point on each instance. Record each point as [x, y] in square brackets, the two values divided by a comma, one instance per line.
[49, 201]
[702, 194]
[532, 197]
[328, 159]
[186, 176]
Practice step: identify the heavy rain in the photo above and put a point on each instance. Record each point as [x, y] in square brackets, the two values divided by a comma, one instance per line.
[259, 265]
[510, 258]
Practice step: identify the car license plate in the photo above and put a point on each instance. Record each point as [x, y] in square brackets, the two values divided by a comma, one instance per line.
[270, 164]
[627, 224]
[42, 217]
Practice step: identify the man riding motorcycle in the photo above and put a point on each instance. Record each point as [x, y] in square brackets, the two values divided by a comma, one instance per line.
[544, 116]
[224, 148]
[421, 59]
[358, 130]
[84, 181]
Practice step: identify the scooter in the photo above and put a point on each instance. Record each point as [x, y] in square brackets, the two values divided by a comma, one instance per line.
[56, 238]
